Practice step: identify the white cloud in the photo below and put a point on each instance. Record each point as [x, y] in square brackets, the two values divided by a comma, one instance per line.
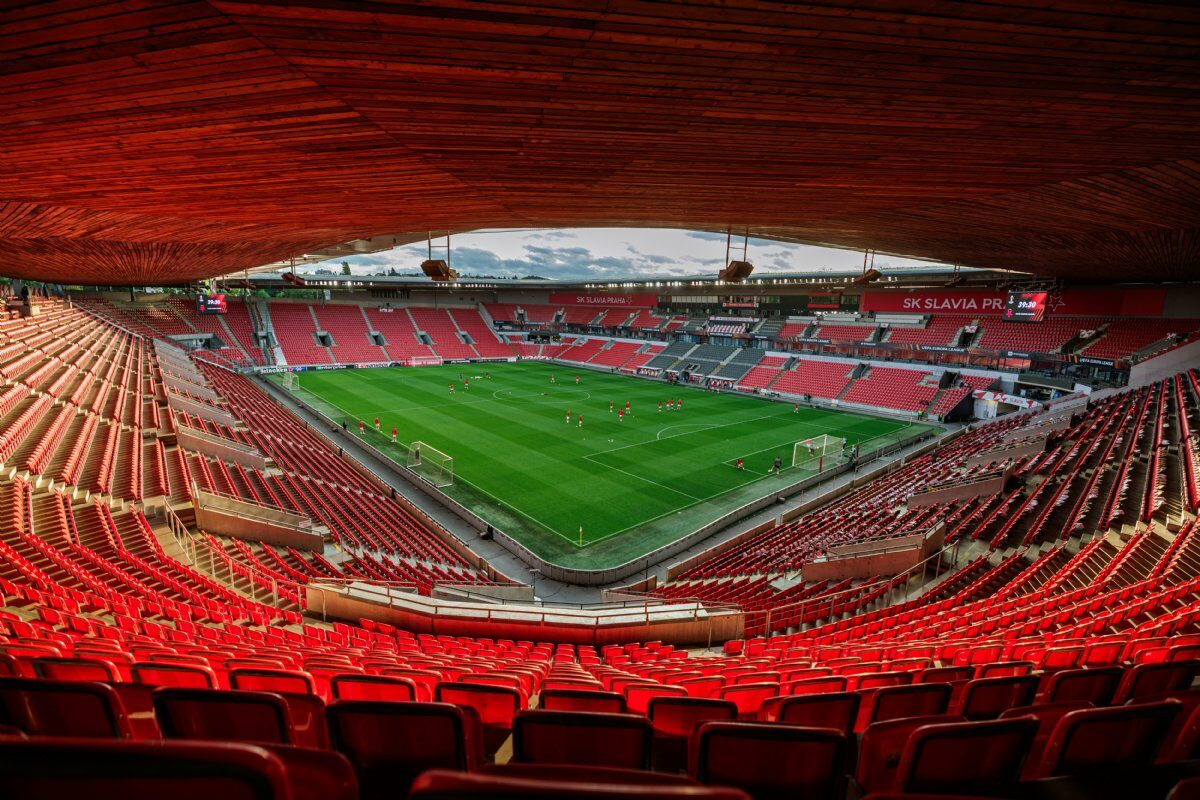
[611, 253]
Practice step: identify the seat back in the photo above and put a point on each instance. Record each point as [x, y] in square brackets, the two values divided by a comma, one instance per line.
[988, 698]
[882, 745]
[945, 675]
[81, 709]
[1097, 685]
[443, 785]
[180, 676]
[496, 707]
[965, 756]
[749, 697]
[231, 716]
[638, 695]
[353, 686]
[584, 738]
[1097, 739]
[1149, 679]
[771, 760]
[66, 767]
[1047, 716]
[316, 774]
[896, 702]
[306, 716]
[837, 710]
[390, 744]
[818, 684]
[675, 719]
[707, 686]
[582, 700]
[280, 681]
[138, 701]
[77, 669]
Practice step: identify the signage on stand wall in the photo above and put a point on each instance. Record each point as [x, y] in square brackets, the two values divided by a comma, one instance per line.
[630, 300]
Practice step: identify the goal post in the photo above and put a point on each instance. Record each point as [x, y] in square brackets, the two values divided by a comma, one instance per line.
[818, 453]
[430, 463]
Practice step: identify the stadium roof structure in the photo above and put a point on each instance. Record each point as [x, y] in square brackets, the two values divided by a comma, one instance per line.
[159, 142]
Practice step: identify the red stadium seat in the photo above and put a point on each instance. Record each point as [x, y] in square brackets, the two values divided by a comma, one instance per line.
[988, 698]
[895, 702]
[749, 697]
[581, 700]
[1142, 680]
[639, 695]
[675, 719]
[235, 716]
[180, 676]
[51, 767]
[372, 687]
[316, 774]
[77, 669]
[138, 701]
[771, 760]
[1097, 686]
[442, 785]
[882, 745]
[497, 707]
[583, 738]
[81, 709]
[965, 757]
[1047, 716]
[390, 744]
[272, 680]
[836, 710]
[1099, 739]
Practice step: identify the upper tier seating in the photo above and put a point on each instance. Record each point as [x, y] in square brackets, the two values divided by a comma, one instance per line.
[1123, 337]
[581, 315]
[939, 331]
[645, 319]
[1037, 337]
[850, 333]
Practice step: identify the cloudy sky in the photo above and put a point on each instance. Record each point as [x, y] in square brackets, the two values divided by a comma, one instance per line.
[606, 253]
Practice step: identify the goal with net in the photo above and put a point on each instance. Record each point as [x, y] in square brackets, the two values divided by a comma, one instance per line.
[818, 453]
[431, 464]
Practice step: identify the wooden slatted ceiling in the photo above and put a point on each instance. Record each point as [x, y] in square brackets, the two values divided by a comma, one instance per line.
[148, 142]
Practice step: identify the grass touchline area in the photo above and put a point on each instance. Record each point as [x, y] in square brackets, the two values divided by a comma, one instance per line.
[634, 483]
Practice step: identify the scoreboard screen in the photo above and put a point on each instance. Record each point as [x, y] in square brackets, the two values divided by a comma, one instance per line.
[207, 303]
[1025, 306]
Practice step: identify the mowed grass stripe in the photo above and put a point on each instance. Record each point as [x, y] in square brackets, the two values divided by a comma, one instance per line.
[512, 446]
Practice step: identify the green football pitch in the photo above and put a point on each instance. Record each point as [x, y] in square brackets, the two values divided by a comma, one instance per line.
[631, 485]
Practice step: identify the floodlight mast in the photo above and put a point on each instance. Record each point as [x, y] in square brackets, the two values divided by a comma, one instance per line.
[736, 270]
[438, 269]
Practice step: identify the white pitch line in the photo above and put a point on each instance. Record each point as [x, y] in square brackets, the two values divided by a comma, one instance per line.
[588, 457]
